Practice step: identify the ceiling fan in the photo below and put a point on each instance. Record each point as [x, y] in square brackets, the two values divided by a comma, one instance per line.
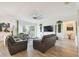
[37, 15]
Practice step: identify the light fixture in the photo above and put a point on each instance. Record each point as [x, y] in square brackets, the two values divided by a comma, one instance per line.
[37, 15]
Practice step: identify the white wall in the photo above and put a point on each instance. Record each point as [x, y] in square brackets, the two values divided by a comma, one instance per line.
[77, 41]
[78, 34]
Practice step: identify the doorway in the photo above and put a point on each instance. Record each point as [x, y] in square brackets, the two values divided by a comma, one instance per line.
[69, 29]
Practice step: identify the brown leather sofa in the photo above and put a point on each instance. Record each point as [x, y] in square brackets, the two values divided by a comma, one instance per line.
[47, 42]
[15, 47]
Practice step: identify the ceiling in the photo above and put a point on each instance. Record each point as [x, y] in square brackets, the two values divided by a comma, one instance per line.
[24, 10]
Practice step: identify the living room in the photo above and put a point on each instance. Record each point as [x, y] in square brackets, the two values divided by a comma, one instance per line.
[32, 23]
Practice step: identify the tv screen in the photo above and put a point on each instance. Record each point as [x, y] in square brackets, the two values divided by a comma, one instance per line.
[48, 28]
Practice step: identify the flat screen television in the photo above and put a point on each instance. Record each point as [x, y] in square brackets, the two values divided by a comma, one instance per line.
[48, 28]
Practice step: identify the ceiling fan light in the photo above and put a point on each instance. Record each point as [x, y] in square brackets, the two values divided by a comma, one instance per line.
[34, 17]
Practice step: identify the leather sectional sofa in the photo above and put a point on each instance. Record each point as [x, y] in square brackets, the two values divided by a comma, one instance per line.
[15, 47]
[47, 42]
[43, 45]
